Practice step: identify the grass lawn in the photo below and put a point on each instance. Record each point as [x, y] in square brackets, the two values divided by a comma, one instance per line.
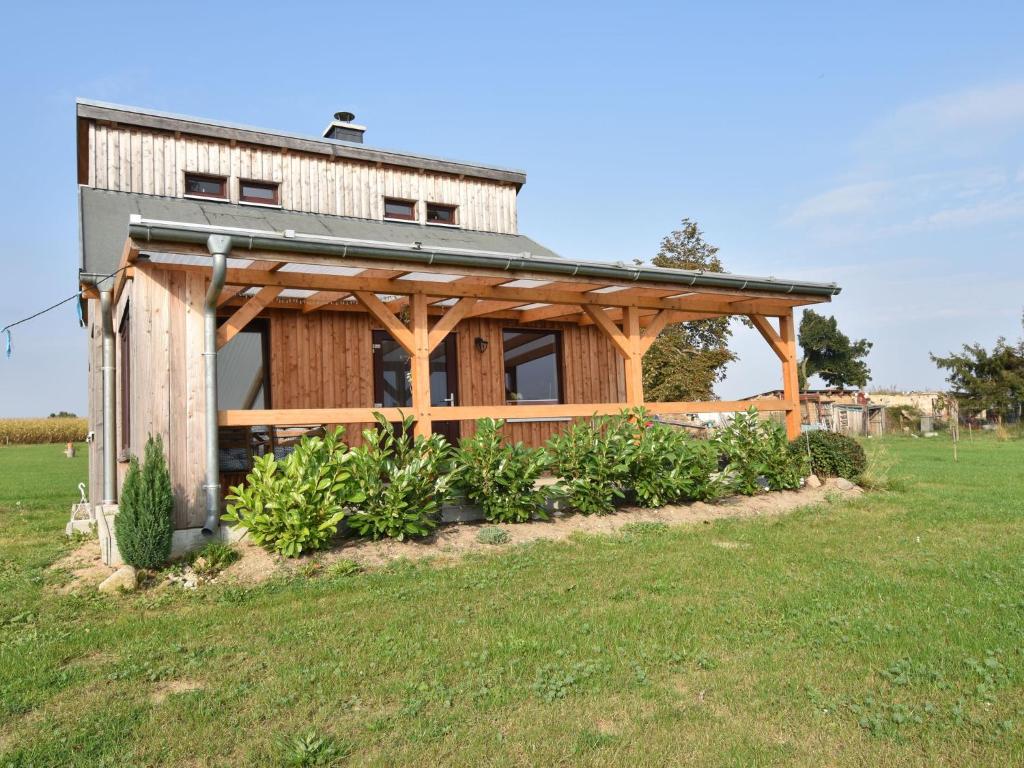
[883, 631]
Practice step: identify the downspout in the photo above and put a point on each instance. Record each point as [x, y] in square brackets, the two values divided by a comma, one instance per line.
[219, 247]
[107, 366]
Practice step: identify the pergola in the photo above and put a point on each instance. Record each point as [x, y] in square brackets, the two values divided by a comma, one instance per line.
[419, 295]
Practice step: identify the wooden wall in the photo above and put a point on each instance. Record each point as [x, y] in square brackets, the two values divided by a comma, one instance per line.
[154, 163]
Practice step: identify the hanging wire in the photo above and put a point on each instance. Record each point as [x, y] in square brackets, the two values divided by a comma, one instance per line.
[6, 330]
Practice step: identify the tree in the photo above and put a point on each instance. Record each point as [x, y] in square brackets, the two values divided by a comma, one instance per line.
[986, 380]
[687, 359]
[143, 522]
[829, 353]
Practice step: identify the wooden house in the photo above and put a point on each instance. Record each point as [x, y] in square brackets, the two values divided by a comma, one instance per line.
[266, 284]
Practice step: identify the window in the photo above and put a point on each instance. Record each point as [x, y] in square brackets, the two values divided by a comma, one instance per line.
[242, 370]
[532, 366]
[403, 210]
[125, 341]
[206, 186]
[440, 214]
[262, 192]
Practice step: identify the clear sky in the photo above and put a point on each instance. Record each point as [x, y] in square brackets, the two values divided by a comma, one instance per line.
[875, 144]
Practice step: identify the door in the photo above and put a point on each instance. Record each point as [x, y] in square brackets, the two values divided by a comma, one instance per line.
[392, 386]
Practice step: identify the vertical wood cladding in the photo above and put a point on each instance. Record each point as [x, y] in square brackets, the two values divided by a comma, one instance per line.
[155, 163]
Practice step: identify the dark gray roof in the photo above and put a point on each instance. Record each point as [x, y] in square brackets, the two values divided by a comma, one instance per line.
[105, 215]
[166, 121]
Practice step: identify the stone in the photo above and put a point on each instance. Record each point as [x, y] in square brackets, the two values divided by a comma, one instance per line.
[844, 485]
[813, 481]
[125, 578]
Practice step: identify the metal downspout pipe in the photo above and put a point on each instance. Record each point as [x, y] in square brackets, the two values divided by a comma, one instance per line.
[219, 247]
[108, 368]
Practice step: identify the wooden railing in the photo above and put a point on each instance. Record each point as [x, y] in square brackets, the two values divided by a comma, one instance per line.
[473, 412]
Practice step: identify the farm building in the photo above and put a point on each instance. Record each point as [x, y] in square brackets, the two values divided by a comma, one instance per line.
[267, 284]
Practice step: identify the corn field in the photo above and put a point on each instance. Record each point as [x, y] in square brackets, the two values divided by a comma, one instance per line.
[33, 431]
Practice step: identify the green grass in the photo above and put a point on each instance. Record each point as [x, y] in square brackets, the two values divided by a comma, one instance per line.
[883, 631]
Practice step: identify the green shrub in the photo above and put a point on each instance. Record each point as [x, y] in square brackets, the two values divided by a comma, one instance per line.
[590, 460]
[403, 481]
[492, 534]
[295, 505]
[758, 454]
[665, 465]
[143, 523]
[831, 454]
[500, 478]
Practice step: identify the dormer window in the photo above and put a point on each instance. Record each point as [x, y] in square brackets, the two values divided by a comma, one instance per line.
[437, 213]
[259, 192]
[197, 185]
[400, 210]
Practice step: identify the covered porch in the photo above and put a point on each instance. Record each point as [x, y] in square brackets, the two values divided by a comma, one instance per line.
[420, 294]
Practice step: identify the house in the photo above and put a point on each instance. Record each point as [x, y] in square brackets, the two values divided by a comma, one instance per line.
[267, 284]
[837, 410]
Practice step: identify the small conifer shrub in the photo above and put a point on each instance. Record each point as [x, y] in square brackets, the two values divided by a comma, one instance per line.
[143, 523]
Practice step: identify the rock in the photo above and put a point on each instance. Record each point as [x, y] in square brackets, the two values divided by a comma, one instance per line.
[813, 481]
[125, 578]
[844, 485]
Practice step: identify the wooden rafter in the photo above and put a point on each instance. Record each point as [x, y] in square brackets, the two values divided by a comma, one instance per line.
[654, 327]
[244, 314]
[602, 321]
[322, 298]
[764, 327]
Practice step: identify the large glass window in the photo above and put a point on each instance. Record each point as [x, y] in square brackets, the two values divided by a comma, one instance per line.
[242, 370]
[532, 366]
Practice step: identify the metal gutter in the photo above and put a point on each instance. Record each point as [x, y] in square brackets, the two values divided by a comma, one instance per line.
[219, 247]
[143, 230]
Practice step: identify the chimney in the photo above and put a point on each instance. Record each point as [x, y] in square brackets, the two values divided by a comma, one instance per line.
[341, 128]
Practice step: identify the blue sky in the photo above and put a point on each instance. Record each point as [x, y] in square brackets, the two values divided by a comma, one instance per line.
[879, 145]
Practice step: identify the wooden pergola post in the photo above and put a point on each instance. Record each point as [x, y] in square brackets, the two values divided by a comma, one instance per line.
[419, 364]
[790, 375]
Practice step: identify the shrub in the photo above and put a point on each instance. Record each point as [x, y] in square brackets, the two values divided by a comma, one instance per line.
[664, 464]
[492, 534]
[403, 481]
[295, 505]
[758, 455]
[143, 523]
[500, 478]
[589, 459]
[831, 454]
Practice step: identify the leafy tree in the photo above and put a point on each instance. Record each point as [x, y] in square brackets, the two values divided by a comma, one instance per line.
[829, 353]
[143, 522]
[687, 359]
[987, 380]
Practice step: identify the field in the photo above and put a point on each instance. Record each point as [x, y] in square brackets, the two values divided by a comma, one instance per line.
[36, 431]
[883, 631]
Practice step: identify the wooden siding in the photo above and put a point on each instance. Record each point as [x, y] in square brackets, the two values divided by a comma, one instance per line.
[154, 163]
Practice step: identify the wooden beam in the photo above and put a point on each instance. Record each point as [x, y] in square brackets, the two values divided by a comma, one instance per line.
[602, 321]
[448, 321]
[549, 313]
[656, 326]
[320, 282]
[244, 314]
[230, 292]
[321, 299]
[770, 335]
[304, 416]
[385, 317]
[419, 365]
[790, 376]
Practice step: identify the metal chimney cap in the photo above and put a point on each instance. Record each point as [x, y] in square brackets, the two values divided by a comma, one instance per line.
[344, 117]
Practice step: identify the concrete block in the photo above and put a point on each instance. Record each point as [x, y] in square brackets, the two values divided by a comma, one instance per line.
[105, 514]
